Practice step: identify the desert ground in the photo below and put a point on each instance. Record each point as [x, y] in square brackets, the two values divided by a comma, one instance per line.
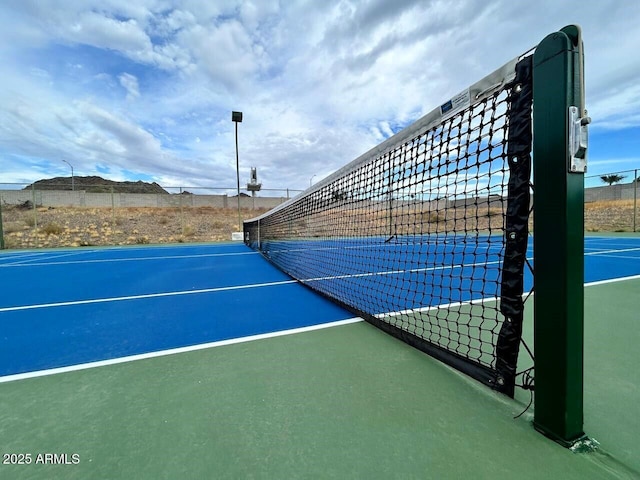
[49, 227]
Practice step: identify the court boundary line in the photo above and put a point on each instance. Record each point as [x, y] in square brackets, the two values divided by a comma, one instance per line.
[132, 259]
[259, 285]
[232, 341]
[144, 296]
[240, 287]
[36, 254]
[482, 301]
[617, 250]
[612, 280]
[621, 256]
[177, 350]
[21, 258]
[399, 272]
[609, 237]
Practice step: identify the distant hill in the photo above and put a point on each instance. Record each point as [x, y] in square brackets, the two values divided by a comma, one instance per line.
[97, 185]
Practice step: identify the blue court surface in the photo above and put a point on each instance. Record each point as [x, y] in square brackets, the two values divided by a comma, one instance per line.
[62, 308]
[342, 402]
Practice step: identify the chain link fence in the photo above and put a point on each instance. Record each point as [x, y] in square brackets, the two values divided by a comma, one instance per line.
[87, 215]
[92, 215]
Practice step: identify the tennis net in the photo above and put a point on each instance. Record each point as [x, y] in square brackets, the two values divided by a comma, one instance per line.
[425, 235]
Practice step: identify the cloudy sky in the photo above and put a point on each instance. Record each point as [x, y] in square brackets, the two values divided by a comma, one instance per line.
[144, 89]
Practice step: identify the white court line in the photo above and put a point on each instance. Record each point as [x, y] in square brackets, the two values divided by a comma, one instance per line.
[12, 256]
[619, 250]
[397, 272]
[456, 245]
[453, 246]
[173, 351]
[612, 280]
[206, 255]
[24, 257]
[621, 256]
[132, 259]
[233, 341]
[303, 281]
[24, 263]
[140, 297]
[480, 301]
[604, 237]
[600, 245]
[238, 287]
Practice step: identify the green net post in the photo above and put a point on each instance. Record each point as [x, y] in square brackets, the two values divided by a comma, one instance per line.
[559, 154]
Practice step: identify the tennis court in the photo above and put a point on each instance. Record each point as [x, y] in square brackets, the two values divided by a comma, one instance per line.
[218, 361]
[207, 361]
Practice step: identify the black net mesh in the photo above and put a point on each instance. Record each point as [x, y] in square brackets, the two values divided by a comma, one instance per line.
[413, 238]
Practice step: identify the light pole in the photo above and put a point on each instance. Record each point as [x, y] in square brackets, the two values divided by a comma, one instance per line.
[311, 180]
[236, 117]
[72, 182]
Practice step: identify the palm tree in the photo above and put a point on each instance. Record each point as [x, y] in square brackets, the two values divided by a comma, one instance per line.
[611, 179]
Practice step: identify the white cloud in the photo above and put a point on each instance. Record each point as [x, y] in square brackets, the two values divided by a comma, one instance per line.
[130, 84]
[253, 14]
[319, 82]
[93, 29]
[225, 52]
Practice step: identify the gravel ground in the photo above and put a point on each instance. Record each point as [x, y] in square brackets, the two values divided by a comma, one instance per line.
[73, 226]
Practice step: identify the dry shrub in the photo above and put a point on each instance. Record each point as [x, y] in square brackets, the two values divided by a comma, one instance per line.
[12, 227]
[29, 220]
[52, 229]
[431, 217]
[605, 204]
